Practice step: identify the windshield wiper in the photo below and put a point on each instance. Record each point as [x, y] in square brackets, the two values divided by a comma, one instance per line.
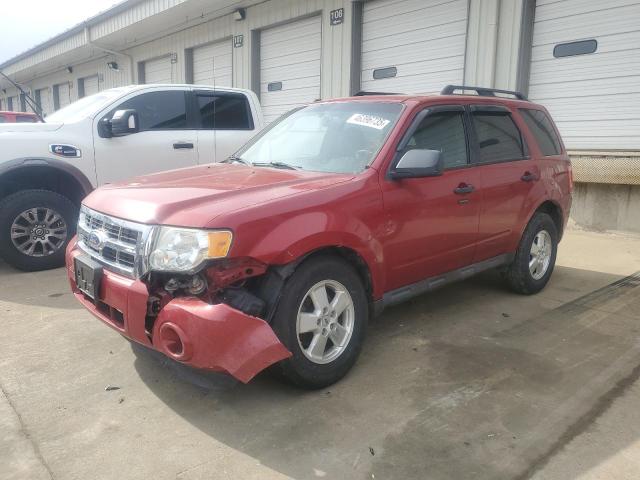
[287, 166]
[236, 159]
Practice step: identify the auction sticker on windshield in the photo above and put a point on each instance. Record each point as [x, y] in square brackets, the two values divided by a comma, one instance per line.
[371, 121]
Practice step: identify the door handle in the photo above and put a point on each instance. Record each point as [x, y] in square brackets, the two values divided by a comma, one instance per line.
[463, 189]
[182, 145]
[528, 177]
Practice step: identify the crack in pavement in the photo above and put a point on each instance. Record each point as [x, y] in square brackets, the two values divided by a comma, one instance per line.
[25, 432]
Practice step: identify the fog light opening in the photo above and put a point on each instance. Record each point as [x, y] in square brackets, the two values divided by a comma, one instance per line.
[173, 342]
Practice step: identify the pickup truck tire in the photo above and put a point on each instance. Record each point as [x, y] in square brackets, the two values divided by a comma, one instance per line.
[536, 256]
[47, 221]
[321, 318]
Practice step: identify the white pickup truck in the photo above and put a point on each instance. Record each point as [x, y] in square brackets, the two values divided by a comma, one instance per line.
[46, 169]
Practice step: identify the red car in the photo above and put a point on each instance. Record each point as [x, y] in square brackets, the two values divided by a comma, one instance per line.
[283, 252]
[18, 117]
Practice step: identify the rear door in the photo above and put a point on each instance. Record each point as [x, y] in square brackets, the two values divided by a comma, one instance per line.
[434, 219]
[507, 176]
[164, 141]
[224, 123]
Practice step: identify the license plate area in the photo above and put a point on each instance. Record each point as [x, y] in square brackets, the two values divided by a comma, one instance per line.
[88, 275]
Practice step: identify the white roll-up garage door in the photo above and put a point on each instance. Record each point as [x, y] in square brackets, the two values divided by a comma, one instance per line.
[290, 66]
[413, 46]
[64, 95]
[45, 100]
[213, 64]
[593, 97]
[91, 85]
[158, 70]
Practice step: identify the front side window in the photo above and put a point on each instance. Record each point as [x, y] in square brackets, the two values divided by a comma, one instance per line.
[340, 137]
[226, 111]
[498, 137]
[443, 131]
[542, 130]
[158, 110]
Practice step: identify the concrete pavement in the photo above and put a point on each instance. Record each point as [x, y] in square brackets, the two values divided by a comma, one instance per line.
[471, 381]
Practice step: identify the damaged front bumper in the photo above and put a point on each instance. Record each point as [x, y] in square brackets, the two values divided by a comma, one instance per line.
[213, 337]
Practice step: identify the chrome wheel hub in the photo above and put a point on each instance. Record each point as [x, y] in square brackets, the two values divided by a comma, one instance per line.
[38, 232]
[325, 321]
[540, 254]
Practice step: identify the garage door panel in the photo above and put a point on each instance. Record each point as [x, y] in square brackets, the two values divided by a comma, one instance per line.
[586, 26]
[213, 64]
[424, 40]
[91, 85]
[593, 97]
[290, 54]
[158, 71]
[416, 37]
[551, 10]
[575, 69]
[64, 95]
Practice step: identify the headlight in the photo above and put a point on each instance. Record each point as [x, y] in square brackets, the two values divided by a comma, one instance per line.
[185, 249]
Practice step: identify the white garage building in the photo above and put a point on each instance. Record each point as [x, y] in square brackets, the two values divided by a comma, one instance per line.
[580, 58]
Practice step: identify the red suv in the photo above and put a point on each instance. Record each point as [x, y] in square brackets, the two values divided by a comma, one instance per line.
[282, 253]
[18, 117]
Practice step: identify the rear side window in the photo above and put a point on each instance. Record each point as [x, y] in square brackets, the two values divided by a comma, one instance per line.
[226, 111]
[443, 131]
[498, 137]
[158, 110]
[25, 119]
[542, 130]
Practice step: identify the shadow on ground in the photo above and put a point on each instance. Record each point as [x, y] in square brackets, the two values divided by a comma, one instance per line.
[468, 382]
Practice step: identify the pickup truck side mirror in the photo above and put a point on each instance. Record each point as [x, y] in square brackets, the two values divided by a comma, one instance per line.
[124, 122]
[417, 163]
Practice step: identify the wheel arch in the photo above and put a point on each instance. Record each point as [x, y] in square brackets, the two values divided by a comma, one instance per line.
[44, 174]
[554, 210]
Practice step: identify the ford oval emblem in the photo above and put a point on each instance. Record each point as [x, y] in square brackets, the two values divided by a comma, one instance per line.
[96, 240]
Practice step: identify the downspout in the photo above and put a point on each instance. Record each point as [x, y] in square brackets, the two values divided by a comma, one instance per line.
[87, 38]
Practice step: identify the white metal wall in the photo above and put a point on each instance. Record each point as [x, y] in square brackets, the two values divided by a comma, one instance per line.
[423, 40]
[290, 59]
[594, 98]
[213, 64]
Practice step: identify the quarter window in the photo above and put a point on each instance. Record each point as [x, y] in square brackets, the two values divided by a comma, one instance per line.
[542, 130]
[498, 137]
[443, 131]
[224, 112]
[158, 110]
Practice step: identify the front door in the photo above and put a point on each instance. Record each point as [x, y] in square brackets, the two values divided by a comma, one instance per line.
[163, 142]
[433, 221]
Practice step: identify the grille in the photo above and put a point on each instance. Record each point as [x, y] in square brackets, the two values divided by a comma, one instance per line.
[118, 244]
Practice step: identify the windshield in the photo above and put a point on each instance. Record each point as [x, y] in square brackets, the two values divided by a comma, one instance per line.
[330, 137]
[85, 107]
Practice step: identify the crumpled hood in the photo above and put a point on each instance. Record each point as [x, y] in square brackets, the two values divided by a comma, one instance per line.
[29, 127]
[194, 197]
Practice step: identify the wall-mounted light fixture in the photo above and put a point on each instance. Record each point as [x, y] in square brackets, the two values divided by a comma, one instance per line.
[70, 69]
[113, 66]
[240, 14]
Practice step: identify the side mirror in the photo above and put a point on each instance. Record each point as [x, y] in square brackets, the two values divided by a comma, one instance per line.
[124, 122]
[418, 163]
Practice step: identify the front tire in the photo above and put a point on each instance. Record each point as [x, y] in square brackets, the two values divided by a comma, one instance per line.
[536, 256]
[35, 228]
[321, 319]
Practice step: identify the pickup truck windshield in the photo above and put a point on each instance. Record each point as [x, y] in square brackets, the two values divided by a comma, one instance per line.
[85, 107]
[332, 137]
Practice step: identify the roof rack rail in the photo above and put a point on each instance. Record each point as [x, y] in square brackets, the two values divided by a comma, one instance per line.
[364, 93]
[482, 91]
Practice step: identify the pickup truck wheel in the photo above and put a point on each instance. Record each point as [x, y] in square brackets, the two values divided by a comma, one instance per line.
[321, 319]
[35, 228]
[536, 256]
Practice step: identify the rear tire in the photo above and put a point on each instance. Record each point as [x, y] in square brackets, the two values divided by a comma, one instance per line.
[35, 228]
[536, 256]
[323, 331]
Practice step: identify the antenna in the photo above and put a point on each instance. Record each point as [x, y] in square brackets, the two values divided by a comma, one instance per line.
[35, 106]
